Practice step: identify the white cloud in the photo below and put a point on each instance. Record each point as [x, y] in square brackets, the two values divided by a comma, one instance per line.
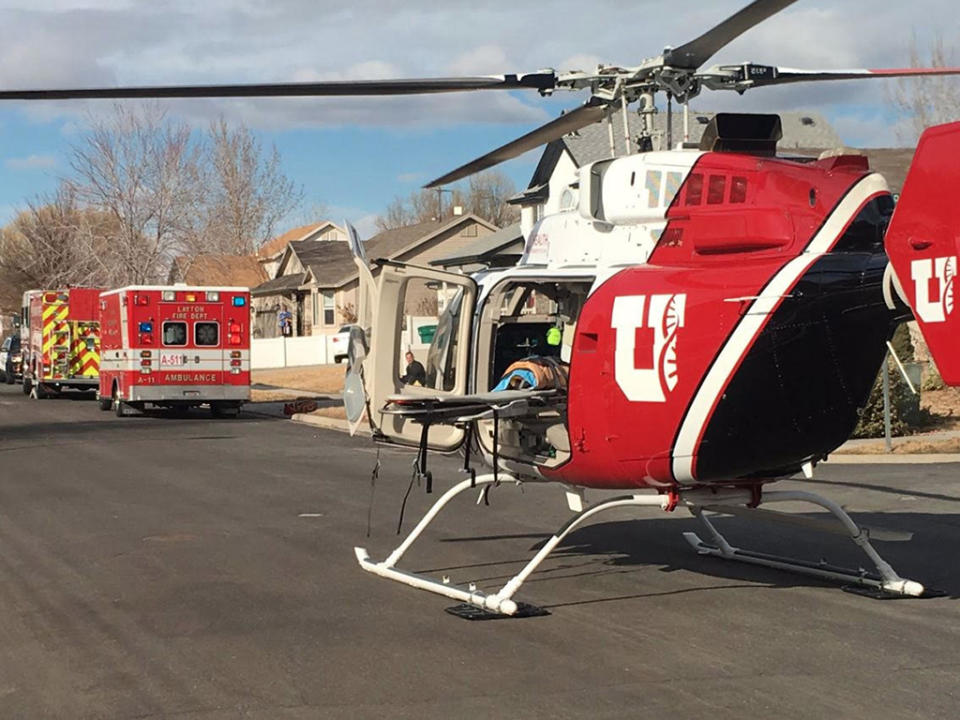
[31, 162]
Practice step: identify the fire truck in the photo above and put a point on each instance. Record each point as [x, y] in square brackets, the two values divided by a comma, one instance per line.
[60, 340]
[175, 347]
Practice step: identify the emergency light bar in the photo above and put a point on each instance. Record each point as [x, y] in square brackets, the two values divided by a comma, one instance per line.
[239, 301]
[213, 297]
[146, 327]
[169, 295]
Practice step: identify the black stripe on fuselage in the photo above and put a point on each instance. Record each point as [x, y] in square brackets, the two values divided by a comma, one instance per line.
[798, 392]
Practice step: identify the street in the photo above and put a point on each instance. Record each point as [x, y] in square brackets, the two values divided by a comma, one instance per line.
[155, 566]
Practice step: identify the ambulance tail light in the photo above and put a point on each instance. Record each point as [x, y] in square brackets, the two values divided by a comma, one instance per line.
[235, 371]
[145, 368]
[235, 363]
[145, 354]
[235, 354]
[141, 299]
[234, 330]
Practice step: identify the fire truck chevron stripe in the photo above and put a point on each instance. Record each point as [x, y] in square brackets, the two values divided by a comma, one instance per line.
[54, 318]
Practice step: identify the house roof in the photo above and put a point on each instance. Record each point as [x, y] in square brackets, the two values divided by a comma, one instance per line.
[892, 163]
[279, 285]
[276, 245]
[330, 264]
[395, 243]
[491, 250]
[388, 243]
[237, 270]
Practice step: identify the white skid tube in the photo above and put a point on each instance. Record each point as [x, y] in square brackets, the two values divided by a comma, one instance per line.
[888, 580]
[697, 501]
[501, 601]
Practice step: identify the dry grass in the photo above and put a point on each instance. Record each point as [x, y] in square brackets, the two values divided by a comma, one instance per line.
[315, 378]
[915, 446]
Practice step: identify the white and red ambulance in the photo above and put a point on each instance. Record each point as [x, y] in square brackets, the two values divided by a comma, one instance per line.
[175, 346]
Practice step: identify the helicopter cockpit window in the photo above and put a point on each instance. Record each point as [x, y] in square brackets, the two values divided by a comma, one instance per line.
[430, 328]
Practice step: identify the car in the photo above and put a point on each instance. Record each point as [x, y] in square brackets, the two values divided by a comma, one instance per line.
[10, 360]
[340, 343]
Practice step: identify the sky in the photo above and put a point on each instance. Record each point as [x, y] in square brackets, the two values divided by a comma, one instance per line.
[353, 156]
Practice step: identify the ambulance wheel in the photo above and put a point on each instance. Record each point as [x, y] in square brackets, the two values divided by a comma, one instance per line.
[40, 390]
[27, 386]
[105, 403]
[119, 407]
[10, 378]
[223, 410]
[5, 378]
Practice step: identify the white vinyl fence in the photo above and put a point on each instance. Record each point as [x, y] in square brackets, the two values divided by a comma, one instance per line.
[316, 349]
[289, 352]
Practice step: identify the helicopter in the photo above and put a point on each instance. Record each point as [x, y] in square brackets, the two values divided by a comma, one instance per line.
[695, 324]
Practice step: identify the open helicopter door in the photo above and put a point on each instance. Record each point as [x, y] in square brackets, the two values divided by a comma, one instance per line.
[427, 312]
[923, 244]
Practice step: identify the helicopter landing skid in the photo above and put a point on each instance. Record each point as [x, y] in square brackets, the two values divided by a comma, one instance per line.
[722, 501]
[886, 581]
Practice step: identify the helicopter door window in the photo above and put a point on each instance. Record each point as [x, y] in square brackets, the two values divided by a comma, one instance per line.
[430, 325]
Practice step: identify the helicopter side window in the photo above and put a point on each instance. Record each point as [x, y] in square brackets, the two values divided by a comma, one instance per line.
[694, 189]
[738, 190]
[716, 189]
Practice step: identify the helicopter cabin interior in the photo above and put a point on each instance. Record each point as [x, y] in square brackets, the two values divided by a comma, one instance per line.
[515, 379]
[523, 322]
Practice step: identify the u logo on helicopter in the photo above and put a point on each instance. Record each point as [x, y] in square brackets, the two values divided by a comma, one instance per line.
[934, 307]
[646, 371]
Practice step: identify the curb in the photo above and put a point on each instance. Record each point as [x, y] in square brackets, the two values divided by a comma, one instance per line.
[328, 423]
[893, 459]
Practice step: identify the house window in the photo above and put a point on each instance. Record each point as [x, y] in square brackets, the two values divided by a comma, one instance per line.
[329, 307]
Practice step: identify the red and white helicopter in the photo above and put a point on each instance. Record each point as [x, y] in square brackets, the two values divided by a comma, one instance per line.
[718, 313]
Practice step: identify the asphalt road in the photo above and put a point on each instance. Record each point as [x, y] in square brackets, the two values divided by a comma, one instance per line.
[157, 567]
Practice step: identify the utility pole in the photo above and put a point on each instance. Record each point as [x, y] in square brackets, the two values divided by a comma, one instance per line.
[440, 192]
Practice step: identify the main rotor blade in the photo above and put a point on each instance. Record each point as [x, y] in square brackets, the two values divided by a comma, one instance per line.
[696, 52]
[750, 76]
[593, 111]
[405, 86]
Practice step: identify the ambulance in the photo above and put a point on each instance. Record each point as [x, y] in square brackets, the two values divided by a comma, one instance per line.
[60, 341]
[175, 347]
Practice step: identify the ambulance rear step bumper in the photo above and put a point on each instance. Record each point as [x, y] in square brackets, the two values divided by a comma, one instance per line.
[188, 393]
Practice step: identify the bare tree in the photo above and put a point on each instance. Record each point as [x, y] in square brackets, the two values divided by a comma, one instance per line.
[930, 100]
[248, 192]
[54, 243]
[485, 196]
[143, 170]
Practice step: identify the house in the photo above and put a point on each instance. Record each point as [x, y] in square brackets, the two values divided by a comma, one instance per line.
[803, 133]
[317, 281]
[271, 252]
[501, 249]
